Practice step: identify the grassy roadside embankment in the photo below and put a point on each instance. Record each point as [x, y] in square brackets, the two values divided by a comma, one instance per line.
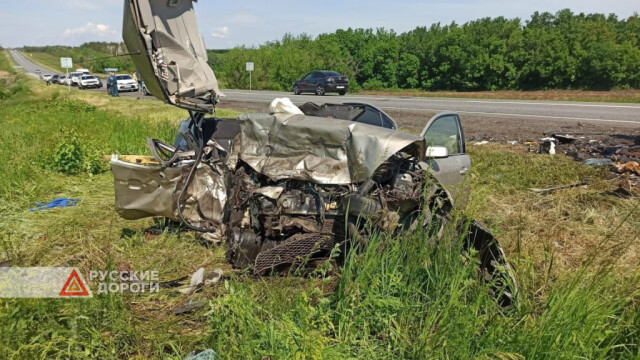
[574, 252]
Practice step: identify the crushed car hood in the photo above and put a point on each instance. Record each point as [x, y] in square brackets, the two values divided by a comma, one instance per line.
[169, 53]
[319, 150]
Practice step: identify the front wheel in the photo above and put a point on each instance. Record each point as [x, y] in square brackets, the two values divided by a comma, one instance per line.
[296, 90]
[320, 90]
[342, 93]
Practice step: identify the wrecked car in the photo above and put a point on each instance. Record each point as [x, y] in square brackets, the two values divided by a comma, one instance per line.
[287, 186]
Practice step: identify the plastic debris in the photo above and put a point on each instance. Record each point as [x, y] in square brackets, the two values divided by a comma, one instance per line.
[630, 167]
[198, 279]
[284, 106]
[57, 203]
[203, 355]
[480, 143]
[598, 162]
[547, 146]
[564, 139]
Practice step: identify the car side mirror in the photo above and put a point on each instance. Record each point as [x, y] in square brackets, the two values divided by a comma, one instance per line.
[437, 152]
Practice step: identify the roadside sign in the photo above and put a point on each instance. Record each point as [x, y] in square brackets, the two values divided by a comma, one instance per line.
[250, 70]
[66, 63]
[110, 70]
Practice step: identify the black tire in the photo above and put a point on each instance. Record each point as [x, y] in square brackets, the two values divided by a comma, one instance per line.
[296, 90]
[320, 90]
[342, 93]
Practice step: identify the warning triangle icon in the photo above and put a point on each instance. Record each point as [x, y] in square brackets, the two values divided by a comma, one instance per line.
[74, 286]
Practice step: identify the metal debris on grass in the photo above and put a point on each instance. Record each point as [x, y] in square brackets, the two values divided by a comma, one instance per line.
[554, 189]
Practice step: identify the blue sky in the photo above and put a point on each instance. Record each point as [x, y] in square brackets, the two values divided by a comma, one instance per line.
[225, 24]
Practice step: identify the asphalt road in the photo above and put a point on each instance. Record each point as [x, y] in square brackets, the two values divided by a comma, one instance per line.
[28, 66]
[518, 110]
[613, 113]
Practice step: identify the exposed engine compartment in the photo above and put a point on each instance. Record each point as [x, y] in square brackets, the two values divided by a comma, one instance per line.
[270, 221]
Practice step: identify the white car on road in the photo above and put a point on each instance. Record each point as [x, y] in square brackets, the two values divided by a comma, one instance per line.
[75, 78]
[127, 83]
[64, 80]
[89, 81]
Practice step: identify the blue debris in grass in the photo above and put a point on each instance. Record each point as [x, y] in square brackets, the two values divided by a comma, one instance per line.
[57, 203]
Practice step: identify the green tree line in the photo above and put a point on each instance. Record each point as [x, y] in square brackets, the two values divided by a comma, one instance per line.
[95, 56]
[549, 51]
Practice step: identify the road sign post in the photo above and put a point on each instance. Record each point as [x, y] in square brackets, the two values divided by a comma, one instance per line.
[250, 67]
[67, 63]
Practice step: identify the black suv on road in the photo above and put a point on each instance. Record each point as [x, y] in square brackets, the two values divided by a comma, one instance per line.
[322, 82]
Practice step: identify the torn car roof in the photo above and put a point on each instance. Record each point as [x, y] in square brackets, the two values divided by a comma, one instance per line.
[319, 150]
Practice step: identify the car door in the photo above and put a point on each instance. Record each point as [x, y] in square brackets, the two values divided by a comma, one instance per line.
[445, 130]
[169, 52]
[317, 79]
[304, 83]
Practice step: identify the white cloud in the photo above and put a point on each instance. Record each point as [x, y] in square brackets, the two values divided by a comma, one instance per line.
[221, 33]
[100, 30]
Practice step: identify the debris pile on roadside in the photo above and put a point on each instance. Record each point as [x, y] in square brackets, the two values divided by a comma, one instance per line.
[621, 153]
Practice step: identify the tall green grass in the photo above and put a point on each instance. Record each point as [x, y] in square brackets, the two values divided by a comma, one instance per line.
[414, 298]
[33, 128]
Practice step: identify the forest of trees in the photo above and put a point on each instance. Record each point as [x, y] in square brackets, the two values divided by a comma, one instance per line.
[549, 51]
[561, 51]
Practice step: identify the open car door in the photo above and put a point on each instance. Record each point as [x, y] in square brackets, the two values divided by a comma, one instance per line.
[444, 132]
[169, 53]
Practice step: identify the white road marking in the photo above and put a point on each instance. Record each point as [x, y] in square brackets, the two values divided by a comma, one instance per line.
[485, 113]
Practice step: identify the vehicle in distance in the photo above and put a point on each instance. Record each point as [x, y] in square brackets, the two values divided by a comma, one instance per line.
[84, 71]
[64, 79]
[47, 77]
[89, 81]
[126, 83]
[75, 78]
[55, 78]
[322, 82]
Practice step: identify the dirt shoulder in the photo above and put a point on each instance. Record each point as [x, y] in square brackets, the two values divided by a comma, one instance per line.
[619, 96]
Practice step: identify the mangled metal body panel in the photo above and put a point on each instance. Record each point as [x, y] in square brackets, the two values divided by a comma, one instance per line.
[168, 51]
[319, 150]
[147, 191]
